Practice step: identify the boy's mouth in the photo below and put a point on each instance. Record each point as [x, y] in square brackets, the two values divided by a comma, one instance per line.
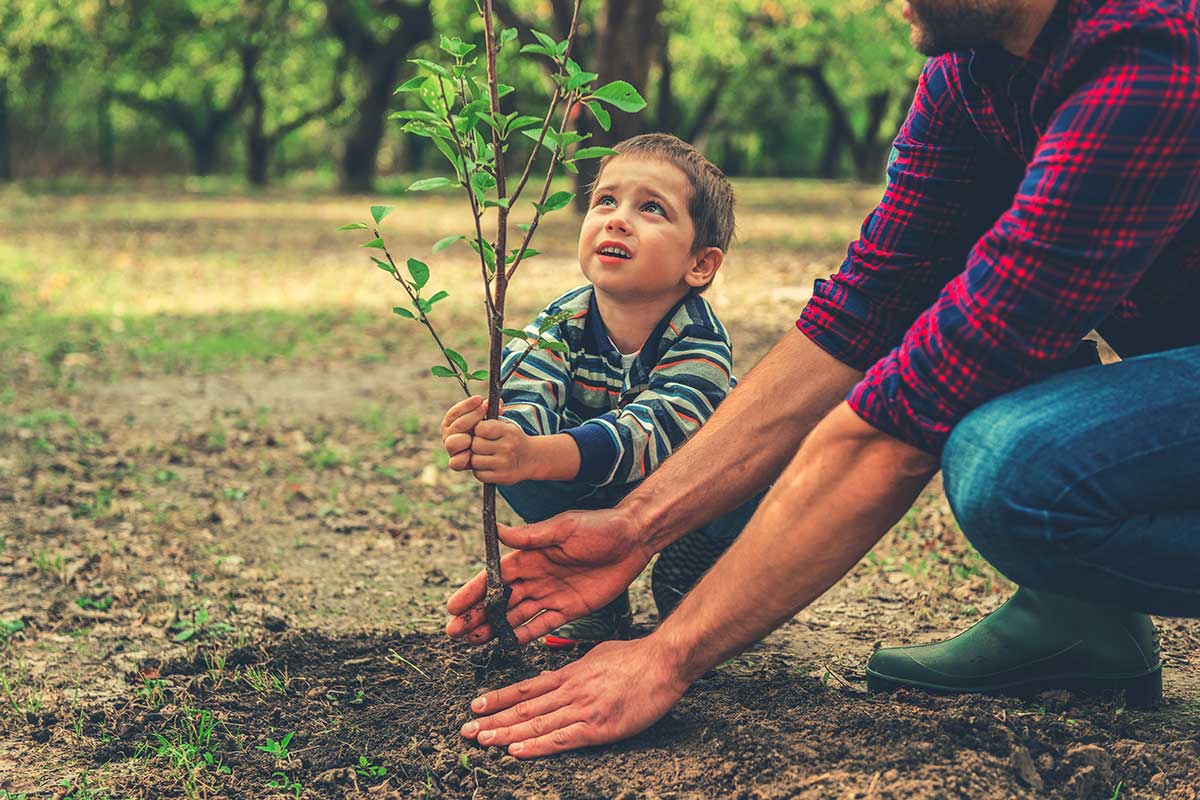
[611, 252]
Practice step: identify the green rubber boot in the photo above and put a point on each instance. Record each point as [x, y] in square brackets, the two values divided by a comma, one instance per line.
[1034, 642]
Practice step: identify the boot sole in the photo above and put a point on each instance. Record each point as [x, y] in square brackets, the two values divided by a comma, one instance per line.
[1141, 691]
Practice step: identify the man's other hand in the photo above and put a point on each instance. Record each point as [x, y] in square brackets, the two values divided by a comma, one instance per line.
[563, 568]
[616, 690]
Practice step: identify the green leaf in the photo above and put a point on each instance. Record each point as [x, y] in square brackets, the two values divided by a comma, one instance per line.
[557, 347]
[554, 202]
[428, 129]
[426, 184]
[539, 49]
[550, 142]
[501, 203]
[431, 94]
[488, 252]
[383, 265]
[603, 118]
[543, 38]
[507, 35]
[427, 116]
[478, 375]
[503, 89]
[457, 358]
[514, 333]
[569, 166]
[184, 635]
[456, 46]
[379, 212]
[404, 312]
[522, 122]
[525, 226]
[580, 79]
[442, 244]
[482, 183]
[431, 66]
[556, 318]
[592, 152]
[443, 372]
[621, 95]
[529, 253]
[441, 295]
[419, 272]
[411, 85]
[448, 151]
[354, 226]
[376, 243]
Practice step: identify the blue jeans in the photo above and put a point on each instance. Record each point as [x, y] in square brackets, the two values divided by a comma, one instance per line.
[1088, 483]
[679, 566]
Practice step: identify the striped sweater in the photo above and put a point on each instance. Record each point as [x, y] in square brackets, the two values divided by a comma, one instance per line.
[625, 424]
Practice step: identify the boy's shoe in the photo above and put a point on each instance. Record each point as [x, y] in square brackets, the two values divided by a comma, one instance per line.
[680, 566]
[1034, 642]
[613, 621]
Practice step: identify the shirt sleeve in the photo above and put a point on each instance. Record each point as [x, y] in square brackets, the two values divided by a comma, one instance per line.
[918, 236]
[1114, 178]
[535, 396]
[684, 389]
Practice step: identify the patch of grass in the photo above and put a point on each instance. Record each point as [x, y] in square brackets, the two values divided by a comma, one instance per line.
[234, 493]
[153, 691]
[266, 681]
[80, 789]
[99, 507]
[163, 475]
[51, 566]
[188, 749]
[277, 748]
[9, 628]
[285, 783]
[326, 457]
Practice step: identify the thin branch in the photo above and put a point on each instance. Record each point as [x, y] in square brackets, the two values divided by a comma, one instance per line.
[516, 365]
[425, 320]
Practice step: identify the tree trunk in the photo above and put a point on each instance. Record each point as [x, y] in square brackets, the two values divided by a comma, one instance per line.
[831, 150]
[105, 141]
[258, 146]
[629, 35]
[205, 147]
[362, 145]
[6, 173]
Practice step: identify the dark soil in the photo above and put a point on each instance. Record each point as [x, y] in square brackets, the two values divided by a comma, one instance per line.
[755, 728]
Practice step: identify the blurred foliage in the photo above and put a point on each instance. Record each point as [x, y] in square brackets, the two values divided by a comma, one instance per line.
[132, 87]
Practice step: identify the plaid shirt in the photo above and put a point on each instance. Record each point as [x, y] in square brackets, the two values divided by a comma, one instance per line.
[625, 423]
[1066, 183]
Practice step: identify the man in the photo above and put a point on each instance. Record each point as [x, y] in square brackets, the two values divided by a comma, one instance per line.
[1045, 183]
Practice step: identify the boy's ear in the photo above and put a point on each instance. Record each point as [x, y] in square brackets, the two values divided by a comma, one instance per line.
[704, 269]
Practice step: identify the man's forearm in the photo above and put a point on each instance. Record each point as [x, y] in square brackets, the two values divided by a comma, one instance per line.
[746, 443]
[843, 491]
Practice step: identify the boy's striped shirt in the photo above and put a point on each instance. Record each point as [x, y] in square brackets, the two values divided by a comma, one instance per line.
[624, 423]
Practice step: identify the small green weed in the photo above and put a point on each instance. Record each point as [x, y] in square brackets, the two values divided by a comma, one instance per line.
[98, 507]
[189, 752]
[80, 789]
[200, 626]
[279, 748]
[9, 628]
[234, 493]
[51, 566]
[95, 604]
[163, 475]
[153, 691]
[284, 783]
[326, 457]
[368, 770]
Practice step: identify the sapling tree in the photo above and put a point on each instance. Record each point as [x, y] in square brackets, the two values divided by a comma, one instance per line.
[465, 118]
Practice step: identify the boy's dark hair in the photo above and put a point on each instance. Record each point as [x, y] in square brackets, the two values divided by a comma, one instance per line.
[711, 203]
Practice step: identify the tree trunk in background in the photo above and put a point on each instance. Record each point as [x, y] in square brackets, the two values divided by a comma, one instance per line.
[381, 60]
[6, 173]
[629, 36]
[258, 146]
[105, 140]
[205, 146]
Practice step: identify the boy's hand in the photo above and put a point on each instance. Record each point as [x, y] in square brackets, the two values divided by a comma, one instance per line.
[457, 428]
[502, 453]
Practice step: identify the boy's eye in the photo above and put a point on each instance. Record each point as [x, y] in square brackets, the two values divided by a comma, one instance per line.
[654, 208]
[606, 200]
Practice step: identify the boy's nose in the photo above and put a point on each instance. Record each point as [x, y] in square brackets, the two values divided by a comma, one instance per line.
[617, 223]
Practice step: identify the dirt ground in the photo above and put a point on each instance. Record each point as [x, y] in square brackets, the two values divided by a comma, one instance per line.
[229, 583]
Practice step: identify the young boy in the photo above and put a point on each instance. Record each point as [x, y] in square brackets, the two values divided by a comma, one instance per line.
[647, 362]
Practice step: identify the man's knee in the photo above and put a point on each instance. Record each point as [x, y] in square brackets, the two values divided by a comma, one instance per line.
[993, 476]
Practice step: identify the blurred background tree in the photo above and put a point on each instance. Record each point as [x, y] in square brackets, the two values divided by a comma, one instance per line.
[270, 89]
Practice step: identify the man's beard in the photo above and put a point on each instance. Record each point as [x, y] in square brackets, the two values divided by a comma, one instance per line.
[943, 26]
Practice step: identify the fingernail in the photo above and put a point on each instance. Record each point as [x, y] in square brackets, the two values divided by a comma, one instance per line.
[486, 737]
[470, 729]
[479, 704]
[516, 747]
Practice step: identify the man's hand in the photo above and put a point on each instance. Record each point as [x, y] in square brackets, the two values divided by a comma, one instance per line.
[457, 428]
[615, 691]
[502, 453]
[563, 568]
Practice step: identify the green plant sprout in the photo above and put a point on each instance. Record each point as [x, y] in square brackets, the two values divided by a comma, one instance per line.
[464, 119]
[368, 770]
[279, 748]
[199, 626]
[283, 782]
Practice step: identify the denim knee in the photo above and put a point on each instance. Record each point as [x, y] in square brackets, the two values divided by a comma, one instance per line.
[997, 489]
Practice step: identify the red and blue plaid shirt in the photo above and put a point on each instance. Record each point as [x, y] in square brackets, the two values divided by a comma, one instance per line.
[1029, 201]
